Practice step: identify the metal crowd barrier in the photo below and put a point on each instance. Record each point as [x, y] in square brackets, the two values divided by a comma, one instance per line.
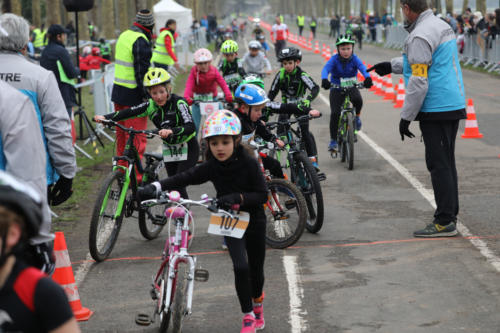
[486, 55]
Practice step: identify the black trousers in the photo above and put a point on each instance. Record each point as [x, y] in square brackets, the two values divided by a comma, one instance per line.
[174, 168]
[336, 101]
[439, 140]
[248, 255]
[301, 28]
[313, 30]
[278, 46]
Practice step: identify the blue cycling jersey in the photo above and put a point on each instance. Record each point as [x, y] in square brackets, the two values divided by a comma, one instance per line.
[337, 69]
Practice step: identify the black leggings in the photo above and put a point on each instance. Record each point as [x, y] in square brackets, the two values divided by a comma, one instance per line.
[307, 136]
[248, 256]
[336, 102]
[174, 168]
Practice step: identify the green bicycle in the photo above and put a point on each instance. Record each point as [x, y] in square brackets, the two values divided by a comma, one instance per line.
[117, 197]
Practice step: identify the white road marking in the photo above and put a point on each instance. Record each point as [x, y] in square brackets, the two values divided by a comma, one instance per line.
[428, 195]
[83, 269]
[296, 292]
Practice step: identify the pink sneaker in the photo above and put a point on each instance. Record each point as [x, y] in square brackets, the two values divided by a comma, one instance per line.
[259, 317]
[248, 325]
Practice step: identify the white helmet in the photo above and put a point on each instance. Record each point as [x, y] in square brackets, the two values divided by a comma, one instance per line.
[221, 122]
[202, 55]
[256, 20]
[254, 44]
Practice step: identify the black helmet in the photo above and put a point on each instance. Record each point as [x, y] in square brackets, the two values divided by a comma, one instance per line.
[290, 53]
[22, 199]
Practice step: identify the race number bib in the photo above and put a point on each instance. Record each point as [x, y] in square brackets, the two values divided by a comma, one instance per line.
[347, 82]
[203, 97]
[175, 153]
[207, 108]
[223, 225]
[247, 137]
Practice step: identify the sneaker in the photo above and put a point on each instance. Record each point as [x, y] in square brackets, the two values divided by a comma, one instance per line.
[437, 230]
[224, 245]
[259, 317]
[248, 325]
[333, 146]
[358, 123]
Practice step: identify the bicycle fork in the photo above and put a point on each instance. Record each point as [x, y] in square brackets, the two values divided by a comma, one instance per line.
[172, 276]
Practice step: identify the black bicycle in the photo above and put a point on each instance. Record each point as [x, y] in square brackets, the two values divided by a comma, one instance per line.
[117, 196]
[302, 172]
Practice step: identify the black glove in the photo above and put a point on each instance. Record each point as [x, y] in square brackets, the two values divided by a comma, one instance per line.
[229, 199]
[61, 191]
[368, 83]
[325, 84]
[147, 192]
[382, 68]
[404, 129]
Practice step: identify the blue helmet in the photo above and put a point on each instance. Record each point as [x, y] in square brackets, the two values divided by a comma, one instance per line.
[251, 94]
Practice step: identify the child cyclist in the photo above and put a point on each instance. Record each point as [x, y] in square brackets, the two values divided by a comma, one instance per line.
[171, 115]
[202, 84]
[343, 67]
[293, 83]
[237, 178]
[255, 61]
[231, 67]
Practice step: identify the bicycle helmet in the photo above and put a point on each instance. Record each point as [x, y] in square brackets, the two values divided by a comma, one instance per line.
[290, 53]
[253, 79]
[22, 199]
[202, 55]
[96, 51]
[256, 20]
[221, 122]
[229, 46]
[251, 94]
[344, 39]
[261, 37]
[156, 76]
[254, 44]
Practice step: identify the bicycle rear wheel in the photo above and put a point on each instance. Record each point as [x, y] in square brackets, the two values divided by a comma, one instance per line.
[104, 226]
[178, 306]
[349, 143]
[150, 225]
[286, 214]
[306, 178]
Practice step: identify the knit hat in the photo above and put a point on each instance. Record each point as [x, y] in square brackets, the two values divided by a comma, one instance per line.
[145, 18]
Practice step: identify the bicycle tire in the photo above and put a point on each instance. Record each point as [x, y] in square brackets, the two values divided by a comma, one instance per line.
[149, 229]
[342, 139]
[311, 190]
[350, 142]
[279, 223]
[106, 192]
[164, 316]
[178, 306]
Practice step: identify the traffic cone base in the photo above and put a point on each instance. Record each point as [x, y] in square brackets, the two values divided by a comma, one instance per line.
[471, 127]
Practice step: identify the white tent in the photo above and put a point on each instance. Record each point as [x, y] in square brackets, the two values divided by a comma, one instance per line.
[169, 9]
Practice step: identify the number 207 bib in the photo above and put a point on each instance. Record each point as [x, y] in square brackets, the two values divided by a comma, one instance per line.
[223, 225]
[174, 153]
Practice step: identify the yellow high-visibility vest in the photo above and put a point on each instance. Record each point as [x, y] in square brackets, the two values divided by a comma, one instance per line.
[160, 54]
[124, 59]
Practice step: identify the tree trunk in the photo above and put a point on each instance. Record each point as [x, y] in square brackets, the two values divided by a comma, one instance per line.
[53, 12]
[481, 6]
[397, 12]
[449, 6]
[376, 7]
[465, 5]
[131, 11]
[83, 28]
[363, 7]
[108, 25]
[123, 22]
[12, 6]
[36, 18]
[141, 4]
[383, 7]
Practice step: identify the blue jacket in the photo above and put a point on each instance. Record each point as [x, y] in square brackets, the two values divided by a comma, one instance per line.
[337, 69]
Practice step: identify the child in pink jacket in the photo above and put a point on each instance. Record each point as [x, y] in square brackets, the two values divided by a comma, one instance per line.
[202, 84]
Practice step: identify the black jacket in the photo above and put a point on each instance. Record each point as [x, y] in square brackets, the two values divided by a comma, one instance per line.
[293, 86]
[142, 59]
[241, 173]
[50, 55]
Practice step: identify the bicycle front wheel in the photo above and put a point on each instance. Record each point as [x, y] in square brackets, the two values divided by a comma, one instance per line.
[105, 223]
[178, 306]
[306, 178]
[152, 220]
[349, 143]
[286, 214]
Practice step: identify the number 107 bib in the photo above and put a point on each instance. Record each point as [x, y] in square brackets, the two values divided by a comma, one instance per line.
[223, 225]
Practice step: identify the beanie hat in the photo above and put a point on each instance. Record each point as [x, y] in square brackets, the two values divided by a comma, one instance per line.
[145, 18]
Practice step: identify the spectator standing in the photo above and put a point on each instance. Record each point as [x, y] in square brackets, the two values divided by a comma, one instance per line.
[334, 26]
[279, 34]
[372, 26]
[313, 25]
[133, 58]
[430, 57]
[164, 52]
[300, 23]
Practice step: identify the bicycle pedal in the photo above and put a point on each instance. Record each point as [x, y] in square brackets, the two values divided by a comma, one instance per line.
[201, 275]
[143, 319]
[321, 176]
[290, 204]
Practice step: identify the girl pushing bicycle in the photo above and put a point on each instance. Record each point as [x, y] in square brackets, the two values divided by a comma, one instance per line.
[171, 115]
[343, 67]
[238, 180]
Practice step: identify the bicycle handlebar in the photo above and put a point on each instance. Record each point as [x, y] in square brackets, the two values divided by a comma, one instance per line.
[109, 122]
[274, 124]
[359, 85]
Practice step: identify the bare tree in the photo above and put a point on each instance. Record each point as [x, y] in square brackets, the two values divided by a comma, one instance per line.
[481, 6]
[53, 12]
[449, 6]
[347, 8]
[36, 18]
[465, 5]
[141, 4]
[383, 7]
[123, 22]
[108, 24]
[364, 6]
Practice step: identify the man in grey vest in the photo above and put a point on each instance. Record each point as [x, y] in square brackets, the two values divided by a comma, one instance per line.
[435, 97]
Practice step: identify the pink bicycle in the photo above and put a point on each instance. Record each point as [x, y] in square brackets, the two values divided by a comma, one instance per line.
[172, 287]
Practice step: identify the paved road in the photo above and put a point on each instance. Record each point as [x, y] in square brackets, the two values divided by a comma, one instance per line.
[363, 272]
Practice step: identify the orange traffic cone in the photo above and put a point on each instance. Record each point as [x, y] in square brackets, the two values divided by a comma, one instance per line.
[316, 47]
[381, 90]
[400, 98]
[471, 129]
[389, 92]
[64, 276]
[309, 46]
